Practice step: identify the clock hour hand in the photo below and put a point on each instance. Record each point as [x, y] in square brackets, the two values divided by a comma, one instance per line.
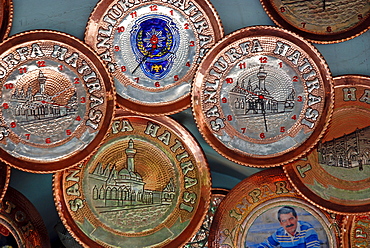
[324, 4]
[263, 111]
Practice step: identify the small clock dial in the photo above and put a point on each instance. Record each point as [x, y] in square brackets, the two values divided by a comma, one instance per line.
[262, 93]
[153, 49]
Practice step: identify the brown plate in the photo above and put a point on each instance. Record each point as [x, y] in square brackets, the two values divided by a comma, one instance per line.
[57, 101]
[356, 232]
[262, 96]
[5, 172]
[152, 49]
[20, 223]
[200, 239]
[336, 174]
[6, 17]
[321, 21]
[248, 215]
[148, 185]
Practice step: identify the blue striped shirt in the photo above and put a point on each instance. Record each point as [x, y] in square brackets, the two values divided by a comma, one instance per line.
[304, 237]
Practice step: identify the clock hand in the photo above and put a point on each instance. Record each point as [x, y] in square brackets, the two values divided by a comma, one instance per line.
[324, 4]
[263, 111]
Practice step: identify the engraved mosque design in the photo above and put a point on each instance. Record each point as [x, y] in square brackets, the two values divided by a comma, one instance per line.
[125, 187]
[39, 106]
[254, 100]
[348, 151]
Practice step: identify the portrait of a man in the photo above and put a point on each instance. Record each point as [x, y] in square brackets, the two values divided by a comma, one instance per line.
[292, 233]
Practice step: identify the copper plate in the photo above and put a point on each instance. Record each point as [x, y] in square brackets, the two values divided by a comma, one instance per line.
[321, 21]
[6, 18]
[200, 239]
[356, 232]
[262, 96]
[20, 223]
[152, 49]
[336, 174]
[148, 185]
[5, 172]
[248, 214]
[56, 101]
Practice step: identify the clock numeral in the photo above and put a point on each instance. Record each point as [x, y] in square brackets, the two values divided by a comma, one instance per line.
[282, 9]
[137, 80]
[68, 132]
[176, 77]
[187, 64]
[153, 8]
[123, 68]
[224, 100]
[328, 29]
[263, 60]
[5, 105]
[78, 118]
[229, 117]
[47, 141]
[41, 63]
[83, 99]
[28, 135]
[22, 70]
[192, 43]
[157, 84]
[171, 12]
[303, 24]
[9, 86]
[186, 26]
[243, 129]
[76, 80]
[229, 80]
[60, 67]
[242, 65]
[295, 78]
[116, 48]
[282, 129]
[360, 16]
[294, 117]
[262, 135]
[299, 99]
[281, 64]
[121, 29]
[13, 124]
[133, 14]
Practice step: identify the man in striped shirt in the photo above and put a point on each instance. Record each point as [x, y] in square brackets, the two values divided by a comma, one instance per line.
[292, 233]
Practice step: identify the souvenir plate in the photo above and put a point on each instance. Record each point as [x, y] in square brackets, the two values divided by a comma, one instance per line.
[20, 223]
[321, 21]
[200, 239]
[148, 185]
[6, 17]
[249, 216]
[262, 96]
[56, 101]
[336, 174]
[5, 172]
[152, 49]
[356, 232]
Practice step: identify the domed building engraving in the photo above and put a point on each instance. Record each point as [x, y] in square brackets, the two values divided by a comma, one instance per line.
[125, 187]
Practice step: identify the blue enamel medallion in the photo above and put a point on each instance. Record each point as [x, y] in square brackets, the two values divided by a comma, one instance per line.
[154, 41]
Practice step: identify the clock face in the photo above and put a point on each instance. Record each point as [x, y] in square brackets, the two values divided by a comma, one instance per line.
[56, 98]
[322, 21]
[265, 96]
[152, 50]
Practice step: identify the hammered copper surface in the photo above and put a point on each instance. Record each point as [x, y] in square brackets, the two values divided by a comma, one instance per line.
[263, 96]
[57, 101]
[6, 17]
[20, 223]
[335, 175]
[152, 49]
[321, 21]
[148, 185]
[248, 214]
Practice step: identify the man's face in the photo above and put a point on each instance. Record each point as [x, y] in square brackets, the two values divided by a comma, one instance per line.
[288, 222]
